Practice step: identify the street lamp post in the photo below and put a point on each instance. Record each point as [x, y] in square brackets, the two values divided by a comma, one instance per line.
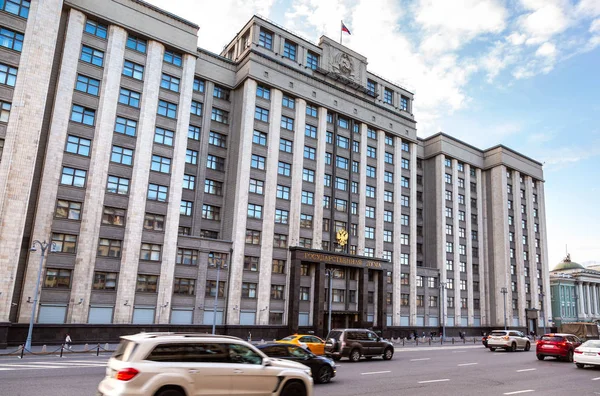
[504, 291]
[542, 302]
[44, 246]
[329, 273]
[219, 263]
[443, 286]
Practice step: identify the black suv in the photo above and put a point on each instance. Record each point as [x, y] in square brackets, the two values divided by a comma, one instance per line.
[354, 343]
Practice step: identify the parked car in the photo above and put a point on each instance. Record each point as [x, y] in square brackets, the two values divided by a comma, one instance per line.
[323, 368]
[510, 340]
[587, 353]
[310, 342]
[172, 364]
[561, 346]
[355, 343]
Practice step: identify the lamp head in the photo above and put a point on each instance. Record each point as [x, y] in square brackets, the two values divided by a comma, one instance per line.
[33, 248]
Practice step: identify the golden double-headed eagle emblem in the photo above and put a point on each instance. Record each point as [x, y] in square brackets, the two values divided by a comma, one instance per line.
[342, 237]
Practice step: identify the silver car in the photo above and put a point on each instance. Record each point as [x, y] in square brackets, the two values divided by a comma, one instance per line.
[171, 364]
[510, 340]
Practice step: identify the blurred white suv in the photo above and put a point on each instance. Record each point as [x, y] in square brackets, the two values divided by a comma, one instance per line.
[171, 364]
[510, 340]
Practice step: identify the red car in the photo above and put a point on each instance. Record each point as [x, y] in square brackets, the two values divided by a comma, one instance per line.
[561, 346]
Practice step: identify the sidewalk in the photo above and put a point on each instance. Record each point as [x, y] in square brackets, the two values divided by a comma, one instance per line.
[44, 350]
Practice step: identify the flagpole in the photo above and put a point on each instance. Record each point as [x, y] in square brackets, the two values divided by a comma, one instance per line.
[341, 31]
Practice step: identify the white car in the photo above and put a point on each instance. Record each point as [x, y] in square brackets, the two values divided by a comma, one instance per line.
[587, 353]
[510, 340]
[172, 364]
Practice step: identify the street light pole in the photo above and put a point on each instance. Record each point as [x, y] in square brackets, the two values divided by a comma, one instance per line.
[219, 263]
[44, 246]
[543, 315]
[504, 291]
[443, 285]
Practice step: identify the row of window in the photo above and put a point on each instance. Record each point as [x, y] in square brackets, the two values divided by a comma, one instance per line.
[290, 49]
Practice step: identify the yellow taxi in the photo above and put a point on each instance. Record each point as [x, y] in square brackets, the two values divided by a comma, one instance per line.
[310, 342]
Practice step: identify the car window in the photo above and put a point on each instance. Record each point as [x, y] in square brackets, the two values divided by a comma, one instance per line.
[371, 336]
[189, 352]
[298, 352]
[305, 339]
[552, 338]
[591, 344]
[334, 334]
[276, 351]
[576, 339]
[124, 350]
[497, 333]
[242, 354]
[288, 338]
[316, 340]
[351, 335]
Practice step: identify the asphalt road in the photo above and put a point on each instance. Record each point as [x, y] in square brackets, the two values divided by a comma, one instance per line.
[419, 371]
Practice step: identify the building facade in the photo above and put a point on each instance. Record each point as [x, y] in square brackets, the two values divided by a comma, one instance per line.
[188, 188]
[575, 293]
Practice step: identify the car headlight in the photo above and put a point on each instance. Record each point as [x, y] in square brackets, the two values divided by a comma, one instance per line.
[308, 372]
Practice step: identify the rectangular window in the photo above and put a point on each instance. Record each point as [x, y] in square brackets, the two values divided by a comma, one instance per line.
[370, 191]
[191, 157]
[263, 92]
[121, 155]
[310, 153]
[308, 175]
[261, 114]
[79, 114]
[11, 40]
[129, 98]
[146, 283]
[404, 200]
[308, 198]
[371, 87]
[285, 145]
[154, 222]
[136, 44]
[157, 192]
[67, 210]
[196, 108]
[57, 278]
[221, 93]
[16, 7]
[265, 39]
[88, 54]
[133, 70]
[213, 187]
[117, 185]
[125, 126]
[160, 164]
[64, 243]
[215, 163]
[185, 208]
[343, 142]
[388, 96]
[281, 216]
[371, 171]
[253, 237]
[73, 177]
[189, 182]
[284, 169]
[404, 103]
[311, 110]
[310, 131]
[287, 123]
[172, 58]
[280, 240]
[84, 84]
[184, 286]
[312, 60]
[167, 109]
[289, 50]
[104, 281]
[288, 102]
[163, 136]
[405, 163]
[254, 211]
[113, 216]
[78, 145]
[388, 177]
[210, 212]
[283, 192]
[170, 82]
[193, 132]
[212, 289]
[198, 85]
[251, 263]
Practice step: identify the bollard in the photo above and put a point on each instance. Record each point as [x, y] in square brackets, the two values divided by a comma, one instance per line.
[430, 341]
[22, 347]
[44, 348]
[452, 340]
[61, 349]
[473, 340]
[417, 341]
[464, 340]
[106, 347]
[86, 348]
[403, 341]
[98, 350]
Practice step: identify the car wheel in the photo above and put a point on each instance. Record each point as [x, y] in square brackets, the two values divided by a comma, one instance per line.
[541, 357]
[324, 375]
[294, 388]
[570, 356]
[579, 365]
[354, 355]
[388, 353]
[527, 347]
[166, 391]
[513, 347]
[492, 349]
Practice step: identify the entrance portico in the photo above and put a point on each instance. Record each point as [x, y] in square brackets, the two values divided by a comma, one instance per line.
[359, 290]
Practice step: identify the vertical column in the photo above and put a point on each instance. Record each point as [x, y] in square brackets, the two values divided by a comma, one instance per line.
[531, 243]
[23, 135]
[379, 193]
[456, 242]
[517, 201]
[319, 298]
[139, 184]
[381, 313]
[440, 214]
[483, 263]
[362, 200]
[320, 177]
[469, 230]
[580, 299]
[363, 294]
[240, 209]
[268, 224]
[412, 258]
[167, 269]
[500, 247]
[397, 267]
[97, 174]
[297, 167]
[589, 299]
[294, 309]
[544, 248]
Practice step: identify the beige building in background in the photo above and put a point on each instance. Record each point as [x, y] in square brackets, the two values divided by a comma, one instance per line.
[156, 167]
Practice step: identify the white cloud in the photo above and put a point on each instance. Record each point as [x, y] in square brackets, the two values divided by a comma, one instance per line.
[516, 38]
[545, 21]
[546, 49]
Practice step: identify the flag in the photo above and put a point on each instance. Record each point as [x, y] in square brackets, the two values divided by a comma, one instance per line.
[345, 29]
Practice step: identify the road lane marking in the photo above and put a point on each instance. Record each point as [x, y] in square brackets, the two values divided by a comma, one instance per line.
[521, 391]
[596, 379]
[30, 366]
[531, 369]
[459, 351]
[467, 364]
[69, 364]
[376, 372]
[418, 360]
[438, 380]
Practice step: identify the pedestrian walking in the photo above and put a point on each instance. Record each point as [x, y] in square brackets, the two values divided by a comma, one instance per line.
[68, 342]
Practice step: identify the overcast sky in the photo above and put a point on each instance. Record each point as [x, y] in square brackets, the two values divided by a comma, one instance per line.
[523, 73]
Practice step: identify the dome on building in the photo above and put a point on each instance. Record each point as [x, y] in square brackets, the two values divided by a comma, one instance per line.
[567, 264]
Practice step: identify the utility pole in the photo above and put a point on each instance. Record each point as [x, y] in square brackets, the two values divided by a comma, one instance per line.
[505, 292]
[44, 246]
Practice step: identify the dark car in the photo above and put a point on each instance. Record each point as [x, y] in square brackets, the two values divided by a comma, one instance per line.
[484, 340]
[561, 346]
[323, 369]
[355, 343]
